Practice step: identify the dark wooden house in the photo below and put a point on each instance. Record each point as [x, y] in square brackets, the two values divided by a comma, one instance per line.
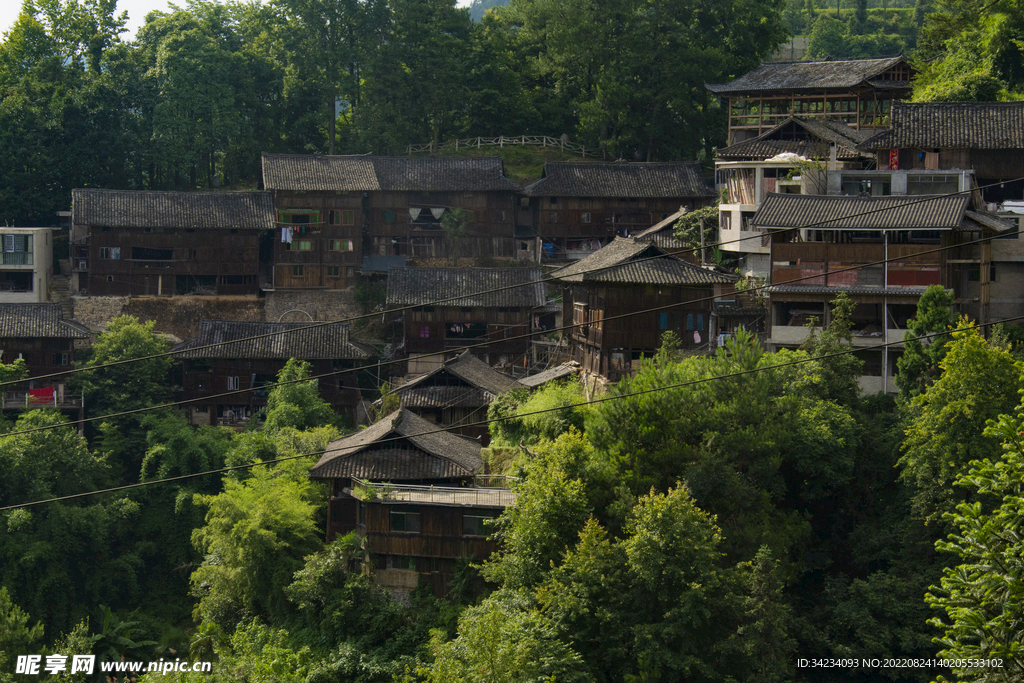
[577, 208]
[488, 309]
[408, 489]
[858, 92]
[389, 206]
[39, 334]
[135, 243]
[987, 137]
[210, 366]
[457, 394]
[883, 252]
[629, 278]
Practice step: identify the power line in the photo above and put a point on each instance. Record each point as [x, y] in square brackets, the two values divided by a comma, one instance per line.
[910, 202]
[570, 326]
[678, 385]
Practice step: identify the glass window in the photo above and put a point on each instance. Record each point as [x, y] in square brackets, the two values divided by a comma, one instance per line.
[477, 524]
[389, 216]
[408, 522]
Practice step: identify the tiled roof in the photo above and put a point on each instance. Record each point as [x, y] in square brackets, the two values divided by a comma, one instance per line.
[557, 372]
[826, 212]
[819, 135]
[655, 180]
[19, 321]
[953, 125]
[393, 174]
[661, 233]
[401, 447]
[630, 261]
[477, 385]
[519, 287]
[144, 209]
[811, 75]
[286, 340]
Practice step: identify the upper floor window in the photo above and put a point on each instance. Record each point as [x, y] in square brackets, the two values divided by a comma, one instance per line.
[341, 217]
[17, 243]
[405, 520]
[341, 245]
[108, 253]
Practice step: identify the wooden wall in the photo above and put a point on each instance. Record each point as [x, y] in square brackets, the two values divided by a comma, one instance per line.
[217, 261]
[335, 219]
[504, 325]
[38, 353]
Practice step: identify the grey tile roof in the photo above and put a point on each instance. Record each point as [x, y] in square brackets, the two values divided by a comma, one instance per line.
[519, 287]
[287, 340]
[818, 137]
[652, 180]
[401, 447]
[861, 213]
[661, 233]
[953, 125]
[372, 173]
[20, 321]
[811, 75]
[144, 209]
[381, 264]
[476, 384]
[630, 261]
[557, 372]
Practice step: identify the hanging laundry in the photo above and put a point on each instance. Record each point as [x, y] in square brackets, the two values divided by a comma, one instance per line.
[414, 213]
[437, 213]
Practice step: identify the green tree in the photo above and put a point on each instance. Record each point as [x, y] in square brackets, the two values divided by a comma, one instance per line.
[919, 365]
[125, 386]
[455, 227]
[256, 535]
[979, 381]
[525, 423]
[16, 636]
[297, 405]
[508, 640]
[828, 39]
[687, 228]
[983, 596]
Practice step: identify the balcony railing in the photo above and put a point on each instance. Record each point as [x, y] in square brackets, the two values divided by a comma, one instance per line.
[470, 496]
[18, 258]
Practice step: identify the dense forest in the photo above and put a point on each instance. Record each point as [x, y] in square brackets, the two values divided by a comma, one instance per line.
[712, 518]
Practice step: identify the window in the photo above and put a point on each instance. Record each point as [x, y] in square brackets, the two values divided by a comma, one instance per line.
[192, 255]
[300, 245]
[17, 243]
[232, 279]
[586, 217]
[341, 217]
[694, 321]
[60, 359]
[389, 216]
[298, 217]
[333, 271]
[476, 524]
[297, 271]
[974, 273]
[405, 520]
[341, 245]
[109, 253]
[401, 562]
[232, 384]
[153, 230]
[425, 332]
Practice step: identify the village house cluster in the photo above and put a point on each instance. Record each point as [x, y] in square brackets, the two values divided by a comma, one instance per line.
[830, 182]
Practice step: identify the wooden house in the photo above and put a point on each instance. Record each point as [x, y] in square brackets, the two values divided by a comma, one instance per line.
[211, 369]
[387, 206]
[987, 137]
[883, 252]
[457, 394]
[136, 243]
[408, 489]
[39, 334]
[609, 296]
[488, 309]
[858, 92]
[577, 208]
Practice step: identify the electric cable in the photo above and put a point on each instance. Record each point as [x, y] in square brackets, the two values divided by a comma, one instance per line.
[604, 399]
[910, 202]
[488, 343]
